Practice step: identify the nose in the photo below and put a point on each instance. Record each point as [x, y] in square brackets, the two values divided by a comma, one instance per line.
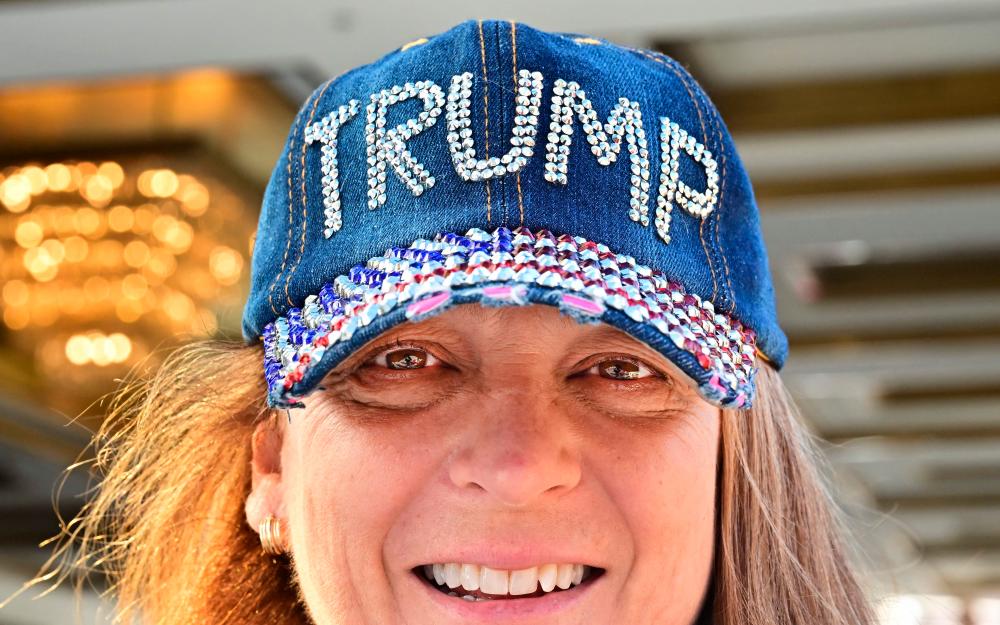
[517, 448]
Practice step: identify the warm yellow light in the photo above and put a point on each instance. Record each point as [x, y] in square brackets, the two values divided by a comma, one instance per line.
[120, 218]
[16, 318]
[143, 182]
[87, 221]
[144, 215]
[62, 218]
[75, 178]
[15, 293]
[98, 190]
[28, 233]
[180, 237]
[108, 252]
[71, 300]
[44, 314]
[162, 226]
[136, 253]
[40, 263]
[177, 234]
[225, 264]
[128, 310]
[76, 248]
[113, 172]
[78, 349]
[122, 346]
[58, 176]
[102, 351]
[55, 249]
[37, 180]
[194, 198]
[96, 288]
[163, 183]
[134, 286]
[162, 264]
[178, 306]
[97, 348]
[15, 193]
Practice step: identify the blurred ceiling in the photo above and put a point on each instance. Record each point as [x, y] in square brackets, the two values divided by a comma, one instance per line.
[871, 130]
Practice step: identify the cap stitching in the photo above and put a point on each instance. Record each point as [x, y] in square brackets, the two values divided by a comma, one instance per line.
[517, 174]
[718, 241]
[305, 196]
[716, 215]
[502, 180]
[288, 241]
[486, 111]
[415, 42]
[701, 122]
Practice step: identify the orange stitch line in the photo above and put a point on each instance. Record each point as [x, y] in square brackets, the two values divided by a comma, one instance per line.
[302, 166]
[486, 111]
[718, 241]
[763, 355]
[288, 242]
[701, 122]
[517, 174]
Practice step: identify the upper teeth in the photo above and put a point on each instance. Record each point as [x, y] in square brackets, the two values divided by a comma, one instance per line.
[503, 582]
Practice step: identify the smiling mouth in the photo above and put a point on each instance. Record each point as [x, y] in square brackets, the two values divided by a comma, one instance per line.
[424, 573]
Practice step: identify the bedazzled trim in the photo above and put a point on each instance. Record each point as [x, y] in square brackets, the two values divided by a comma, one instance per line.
[590, 277]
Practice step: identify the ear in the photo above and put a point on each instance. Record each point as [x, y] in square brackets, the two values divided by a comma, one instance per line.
[267, 490]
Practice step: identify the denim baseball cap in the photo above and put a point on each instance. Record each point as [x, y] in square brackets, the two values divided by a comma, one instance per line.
[505, 165]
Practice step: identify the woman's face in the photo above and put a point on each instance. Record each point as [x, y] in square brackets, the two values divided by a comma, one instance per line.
[500, 449]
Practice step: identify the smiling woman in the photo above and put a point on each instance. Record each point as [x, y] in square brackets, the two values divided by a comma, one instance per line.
[577, 422]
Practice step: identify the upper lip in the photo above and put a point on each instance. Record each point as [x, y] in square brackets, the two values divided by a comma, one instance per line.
[510, 557]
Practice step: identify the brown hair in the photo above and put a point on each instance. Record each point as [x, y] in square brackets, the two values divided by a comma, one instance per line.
[167, 523]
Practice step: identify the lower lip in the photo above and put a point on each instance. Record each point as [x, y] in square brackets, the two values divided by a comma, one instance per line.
[510, 610]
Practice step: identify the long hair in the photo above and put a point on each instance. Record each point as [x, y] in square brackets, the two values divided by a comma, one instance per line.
[166, 525]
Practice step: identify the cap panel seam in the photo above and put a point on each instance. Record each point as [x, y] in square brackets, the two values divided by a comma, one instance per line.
[718, 240]
[305, 196]
[486, 112]
[716, 122]
[502, 180]
[288, 240]
[716, 216]
[517, 174]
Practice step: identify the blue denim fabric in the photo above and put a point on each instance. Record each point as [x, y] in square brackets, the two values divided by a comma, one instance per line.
[720, 258]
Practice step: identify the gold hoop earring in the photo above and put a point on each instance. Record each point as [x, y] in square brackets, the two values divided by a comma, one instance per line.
[271, 536]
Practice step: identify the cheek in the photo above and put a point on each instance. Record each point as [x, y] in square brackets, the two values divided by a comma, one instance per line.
[665, 486]
[349, 486]
[346, 489]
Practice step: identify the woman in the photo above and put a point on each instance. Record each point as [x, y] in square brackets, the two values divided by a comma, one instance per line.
[491, 391]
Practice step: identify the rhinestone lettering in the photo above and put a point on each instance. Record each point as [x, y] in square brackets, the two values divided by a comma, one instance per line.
[387, 146]
[522, 141]
[624, 123]
[325, 131]
[673, 139]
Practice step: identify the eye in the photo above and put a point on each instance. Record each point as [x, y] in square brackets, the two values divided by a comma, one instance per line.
[399, 357]
[621, 369]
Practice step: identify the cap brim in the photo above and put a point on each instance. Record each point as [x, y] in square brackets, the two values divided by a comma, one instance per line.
[583, 278]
